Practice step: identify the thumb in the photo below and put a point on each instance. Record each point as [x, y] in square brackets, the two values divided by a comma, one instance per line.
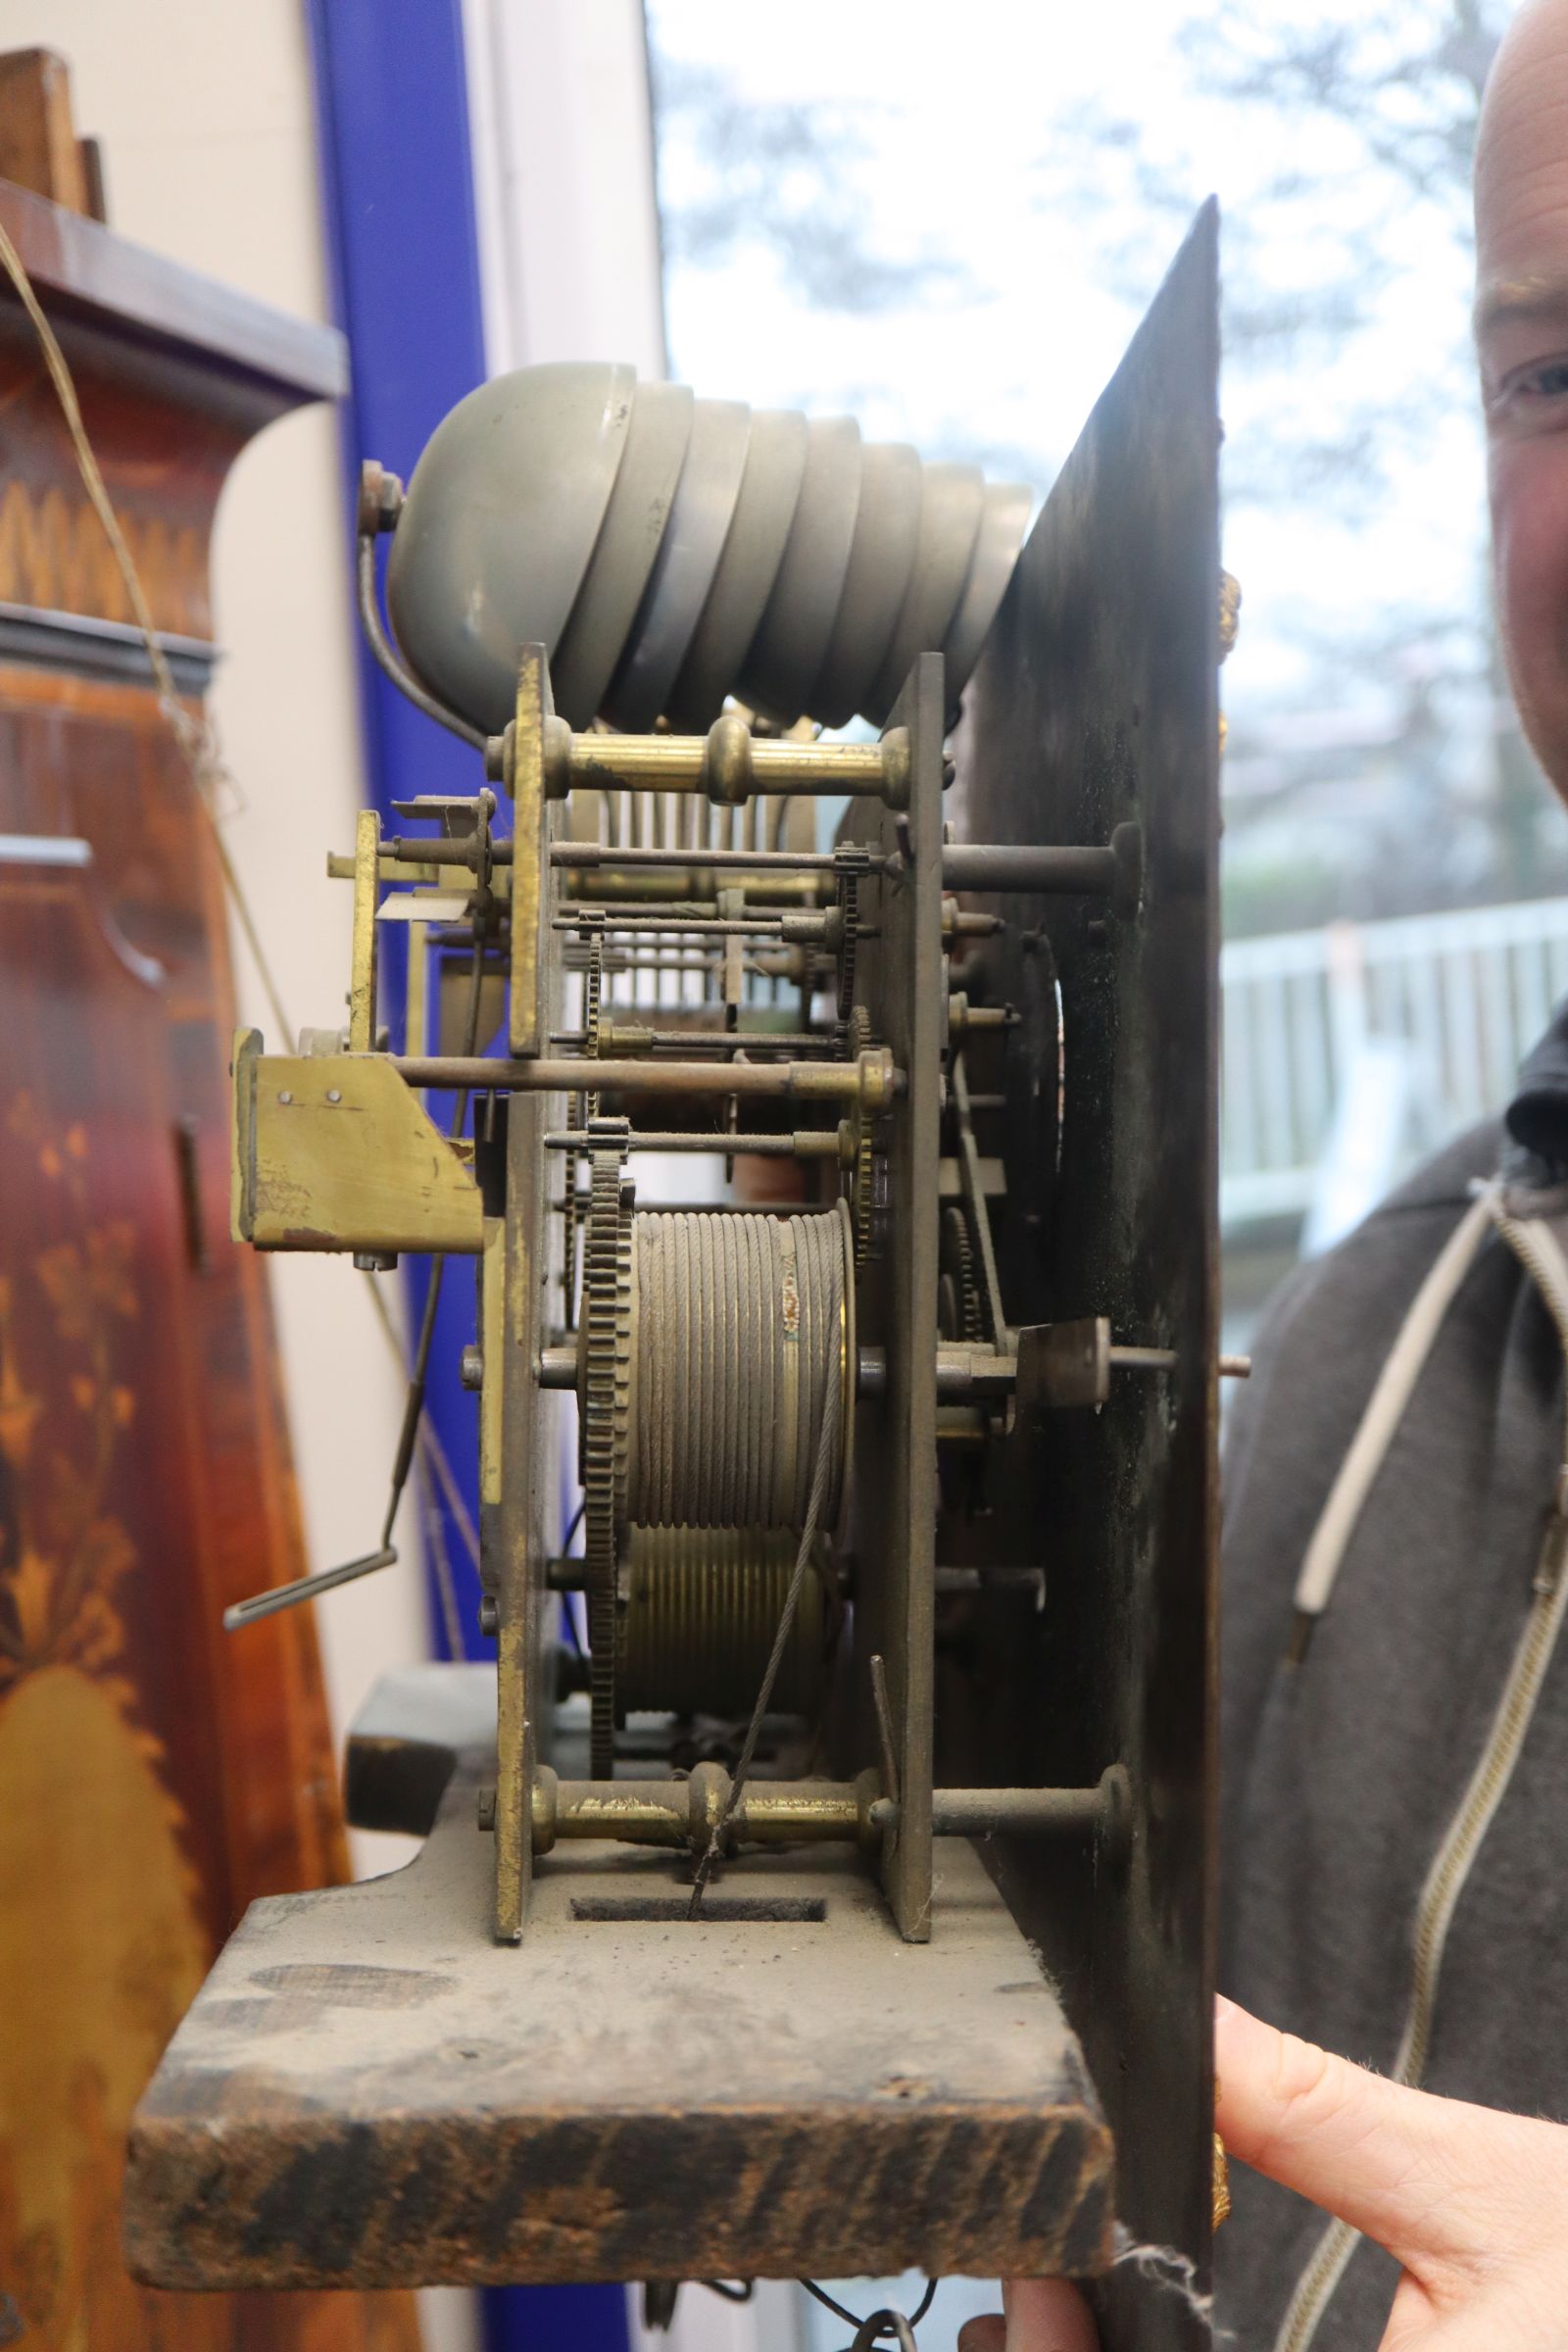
[1380, 2156]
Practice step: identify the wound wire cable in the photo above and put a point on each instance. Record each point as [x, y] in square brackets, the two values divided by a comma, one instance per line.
[738, 1317]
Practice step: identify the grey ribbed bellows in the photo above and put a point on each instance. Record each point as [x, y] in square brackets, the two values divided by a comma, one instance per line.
[668, 552]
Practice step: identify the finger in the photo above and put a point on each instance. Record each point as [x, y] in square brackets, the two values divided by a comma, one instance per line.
[1046, 2315]
[987, 2333]
[1383, 2158]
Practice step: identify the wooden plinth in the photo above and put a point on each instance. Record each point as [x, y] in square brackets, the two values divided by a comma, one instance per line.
[370, 2091]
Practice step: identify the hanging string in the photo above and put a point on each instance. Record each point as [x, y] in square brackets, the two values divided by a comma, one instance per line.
[194, 736]
[198, 745]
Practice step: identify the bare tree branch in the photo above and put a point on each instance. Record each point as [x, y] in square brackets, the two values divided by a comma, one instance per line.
[793, 180]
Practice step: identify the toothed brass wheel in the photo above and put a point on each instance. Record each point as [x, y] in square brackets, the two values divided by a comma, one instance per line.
[864, 1136]
[606, 1359]
[958, 1267]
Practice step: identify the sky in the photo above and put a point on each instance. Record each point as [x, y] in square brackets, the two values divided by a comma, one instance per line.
[960, 117]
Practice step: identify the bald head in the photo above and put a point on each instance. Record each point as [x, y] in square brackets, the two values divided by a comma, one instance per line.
[1522, 152]
[1522, 339]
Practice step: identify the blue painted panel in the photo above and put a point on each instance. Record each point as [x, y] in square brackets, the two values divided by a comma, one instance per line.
[398, 188]
[555, 2319]
[399, 192]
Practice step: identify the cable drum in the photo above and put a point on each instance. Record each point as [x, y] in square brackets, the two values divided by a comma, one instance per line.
[700, 1610]
[738, 1321]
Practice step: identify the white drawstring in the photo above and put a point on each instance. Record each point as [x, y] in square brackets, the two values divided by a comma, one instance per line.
[1386, 1410]
[1540, 1253]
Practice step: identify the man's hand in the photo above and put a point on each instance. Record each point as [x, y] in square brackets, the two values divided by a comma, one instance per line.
[1471, 2203]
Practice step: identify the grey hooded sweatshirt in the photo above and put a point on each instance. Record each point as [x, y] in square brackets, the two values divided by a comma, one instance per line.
[1342, 1772]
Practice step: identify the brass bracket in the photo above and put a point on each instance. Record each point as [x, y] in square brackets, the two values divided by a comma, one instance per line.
[530, 853]
[361, 983]
[335, 1152]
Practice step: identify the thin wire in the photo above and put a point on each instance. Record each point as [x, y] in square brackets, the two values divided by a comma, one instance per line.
[198, 746]
[842, 2311]
[195, 738]
[925, 2302]
[821, 1475]
[387, 662]
[887, 2321]
[430, 1446]
[420, 1370]
[447, 1592]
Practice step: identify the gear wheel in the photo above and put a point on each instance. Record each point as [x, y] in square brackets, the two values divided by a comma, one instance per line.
[593, 982]
[593, 1025]
[850, 908]
[587, 1108]
[593, 990]
[863, 1184]
[862, 1130]
[606, 1359]
[958, 1262]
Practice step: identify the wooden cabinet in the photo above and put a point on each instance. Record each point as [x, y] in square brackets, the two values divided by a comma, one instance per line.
[154, 1774]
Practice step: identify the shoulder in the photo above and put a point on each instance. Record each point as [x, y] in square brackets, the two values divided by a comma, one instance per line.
[1366, 1281]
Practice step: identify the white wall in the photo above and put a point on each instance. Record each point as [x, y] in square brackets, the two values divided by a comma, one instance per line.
[564, 172]
[206, 117]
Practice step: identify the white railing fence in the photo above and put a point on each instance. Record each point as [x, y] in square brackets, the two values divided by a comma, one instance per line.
[1423, 1019]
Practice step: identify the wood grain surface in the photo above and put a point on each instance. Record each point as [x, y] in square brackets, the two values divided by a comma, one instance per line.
[154, 1776]
[370, 2089]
